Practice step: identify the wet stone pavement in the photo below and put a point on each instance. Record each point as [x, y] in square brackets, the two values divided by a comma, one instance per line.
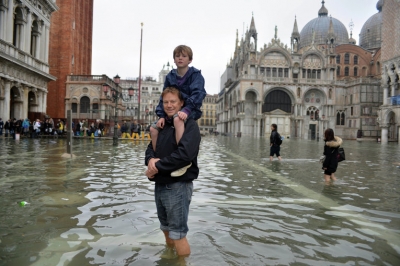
[98, 208]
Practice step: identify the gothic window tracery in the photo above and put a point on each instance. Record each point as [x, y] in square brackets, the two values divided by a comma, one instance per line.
[313, 112]
[340, 118]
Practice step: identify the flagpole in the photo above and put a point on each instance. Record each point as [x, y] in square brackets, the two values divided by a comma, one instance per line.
[140, 71]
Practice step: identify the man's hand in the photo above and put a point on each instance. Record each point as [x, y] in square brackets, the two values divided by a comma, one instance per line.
[151, 168]
[182, 115]
[161, 122]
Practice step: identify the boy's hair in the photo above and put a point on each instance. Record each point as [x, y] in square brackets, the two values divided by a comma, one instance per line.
[274, 126]
[185, 49]
[173, 91]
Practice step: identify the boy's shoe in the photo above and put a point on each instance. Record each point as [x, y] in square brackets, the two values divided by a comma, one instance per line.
[180, 171]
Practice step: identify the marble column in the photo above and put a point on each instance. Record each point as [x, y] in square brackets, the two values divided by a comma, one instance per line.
[46, 44]
[385, 94]
[28, 30]
[10, 21]
[25, 101]
[2, 22]
[7, 93]
[45, 102]
[384, 134]
[393, 88]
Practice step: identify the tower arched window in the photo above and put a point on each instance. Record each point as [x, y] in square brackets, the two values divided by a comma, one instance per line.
[346, 71]
[347, 59]
[338, 71]
[355, 72]
[338, 59]
[356, 60]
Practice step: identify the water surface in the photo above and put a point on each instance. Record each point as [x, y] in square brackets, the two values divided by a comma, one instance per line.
[98, 208]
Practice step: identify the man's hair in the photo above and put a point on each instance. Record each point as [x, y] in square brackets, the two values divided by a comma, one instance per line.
[173, 91]
[274, 126]
[183, 49]
[329, 134]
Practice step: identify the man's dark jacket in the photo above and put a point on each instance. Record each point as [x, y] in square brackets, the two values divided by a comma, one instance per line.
[173, 156]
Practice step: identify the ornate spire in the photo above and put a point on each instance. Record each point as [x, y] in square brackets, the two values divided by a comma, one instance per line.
[252, 24]
[237, 38]
[323, 11]
[276, 32]
[330, 31]
[295, 28]
[331, 37]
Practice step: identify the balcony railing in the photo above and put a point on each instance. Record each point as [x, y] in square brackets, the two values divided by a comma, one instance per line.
[8, 50]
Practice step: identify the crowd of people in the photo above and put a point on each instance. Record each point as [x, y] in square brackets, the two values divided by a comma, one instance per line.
[84, 128]
[134, 127]
[35, 128]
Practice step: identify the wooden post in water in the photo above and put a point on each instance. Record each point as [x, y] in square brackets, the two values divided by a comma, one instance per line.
[69, 135]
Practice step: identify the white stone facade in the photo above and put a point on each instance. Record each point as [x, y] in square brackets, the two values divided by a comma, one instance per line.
[304, 89]
[24, 51]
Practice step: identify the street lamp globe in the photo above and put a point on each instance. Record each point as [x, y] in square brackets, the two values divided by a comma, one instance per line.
[117, 79]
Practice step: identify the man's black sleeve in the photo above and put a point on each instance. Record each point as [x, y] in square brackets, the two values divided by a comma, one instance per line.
[186, 152]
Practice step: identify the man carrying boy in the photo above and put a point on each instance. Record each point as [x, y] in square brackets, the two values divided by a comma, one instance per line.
[173, 195]
[190, 83]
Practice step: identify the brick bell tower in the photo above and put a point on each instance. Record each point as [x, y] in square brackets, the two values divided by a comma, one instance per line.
[70, 51]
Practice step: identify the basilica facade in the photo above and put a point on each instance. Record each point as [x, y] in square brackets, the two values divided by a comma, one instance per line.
[24, 57]
[323, 79]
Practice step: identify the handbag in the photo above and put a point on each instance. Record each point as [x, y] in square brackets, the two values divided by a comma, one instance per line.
[341, 156]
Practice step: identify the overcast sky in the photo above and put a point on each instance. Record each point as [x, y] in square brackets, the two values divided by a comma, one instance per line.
[207, 26]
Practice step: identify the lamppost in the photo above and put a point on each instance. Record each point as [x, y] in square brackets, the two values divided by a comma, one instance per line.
[116, 93]
[140, 70]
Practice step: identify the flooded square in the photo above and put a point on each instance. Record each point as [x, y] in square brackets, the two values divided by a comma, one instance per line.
[98, 208]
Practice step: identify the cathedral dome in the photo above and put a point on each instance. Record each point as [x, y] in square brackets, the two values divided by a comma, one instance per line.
[370, 35]
[318, 29]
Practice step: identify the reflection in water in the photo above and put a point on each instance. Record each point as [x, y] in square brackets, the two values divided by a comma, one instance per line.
[98, 209]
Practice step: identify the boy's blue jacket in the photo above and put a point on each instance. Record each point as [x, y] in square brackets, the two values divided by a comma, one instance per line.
[192, 90]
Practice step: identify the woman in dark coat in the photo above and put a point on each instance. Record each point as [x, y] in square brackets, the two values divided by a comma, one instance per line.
[331, 147]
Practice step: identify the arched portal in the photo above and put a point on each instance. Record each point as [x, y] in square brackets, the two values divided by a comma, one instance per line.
[250, 109]
[393, 133]
[277, 99]
[32, 102]
[277, 109]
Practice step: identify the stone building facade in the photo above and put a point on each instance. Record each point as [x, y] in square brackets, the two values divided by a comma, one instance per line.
[322, 79]
[70, 49]
[207, 122]
[389, 112]
[24, 57]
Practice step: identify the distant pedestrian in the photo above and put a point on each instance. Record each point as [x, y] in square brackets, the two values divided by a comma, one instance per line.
[275, 143]
[331, 150]
[1, 126]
